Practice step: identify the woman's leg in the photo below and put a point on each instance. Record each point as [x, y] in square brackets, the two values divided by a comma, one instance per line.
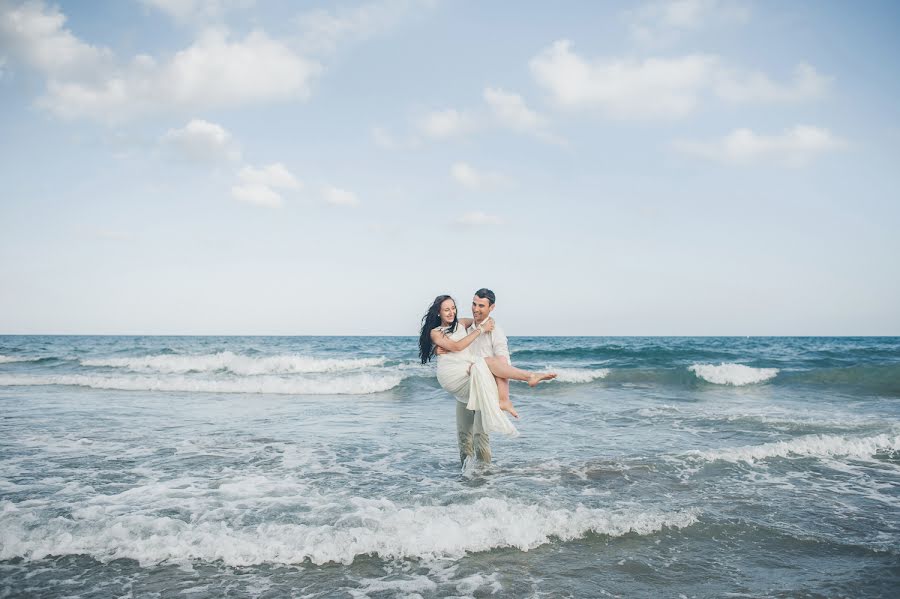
[502, 388]
[500, 368]
[505, 402]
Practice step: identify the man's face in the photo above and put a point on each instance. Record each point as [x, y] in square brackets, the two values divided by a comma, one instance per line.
[481, 309]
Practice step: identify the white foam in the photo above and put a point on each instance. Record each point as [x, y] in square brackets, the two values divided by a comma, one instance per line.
[364, 527]
[578, 375]
[355, 384]
[732, 374]
[10, 359]
[237, 364]
[663, 410]
[818, 446]
[413, 584]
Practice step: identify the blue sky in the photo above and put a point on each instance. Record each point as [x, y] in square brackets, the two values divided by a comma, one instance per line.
[695, 167]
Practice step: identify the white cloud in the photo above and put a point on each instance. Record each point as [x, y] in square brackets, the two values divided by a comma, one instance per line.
[623, 88]
[36, 36]
[478, 219]
[274, 175]
[663, 21]
[758, 87]
[795, 147]
[85, 81]
[323, 31]
[660, 88]
[260, 195]
[510, 110]
[259, 185]
[213, 72]
[469, 177]
[443, 124]
[202, 141]
[186, 11]
[339, 197]
[505, 109]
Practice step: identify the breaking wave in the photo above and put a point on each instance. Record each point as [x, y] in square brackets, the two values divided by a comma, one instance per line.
[732, 374]
[578, 375]
[11, 359]
[355, 384]
[371, 527]
[236, 364]
[818, 446]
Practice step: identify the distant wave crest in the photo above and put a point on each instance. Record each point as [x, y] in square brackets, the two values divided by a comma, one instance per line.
[578, 375]
[732, 374]
[367, 527]
[821, 446]
[10, 359]
[230, 362]
[355, 384]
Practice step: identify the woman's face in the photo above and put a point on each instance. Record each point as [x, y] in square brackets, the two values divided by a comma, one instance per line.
[448, 312]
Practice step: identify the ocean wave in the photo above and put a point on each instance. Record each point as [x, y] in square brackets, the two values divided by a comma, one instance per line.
[237, 364]
[370, 527]
[818, 446]
[355, 384]
[11, 359]
[729, 373]
[578, 375]
[618, 353]
[875, 378]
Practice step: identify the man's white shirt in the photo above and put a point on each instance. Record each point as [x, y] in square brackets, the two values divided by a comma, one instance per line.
[490, 344]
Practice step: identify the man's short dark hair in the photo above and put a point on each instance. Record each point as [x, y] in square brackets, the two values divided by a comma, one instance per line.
[487, 294]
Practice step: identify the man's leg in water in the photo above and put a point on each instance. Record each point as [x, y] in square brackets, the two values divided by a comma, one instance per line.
[465, 421]
[482, 441]
[473, 441]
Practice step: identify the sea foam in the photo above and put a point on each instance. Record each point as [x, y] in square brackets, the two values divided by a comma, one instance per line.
[817, 446]
[10, 359]
[732, 374]
[367, 527]
[230, 362]
[354, 384]
[578, 375]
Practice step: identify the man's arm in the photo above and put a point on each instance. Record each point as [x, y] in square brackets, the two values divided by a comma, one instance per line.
[499, 343]
[465, 323]
[442, 341]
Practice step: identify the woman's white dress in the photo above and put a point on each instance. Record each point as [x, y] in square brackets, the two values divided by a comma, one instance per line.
[469, 379]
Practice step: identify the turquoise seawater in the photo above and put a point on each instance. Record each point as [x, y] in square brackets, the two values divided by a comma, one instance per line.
[327, 467]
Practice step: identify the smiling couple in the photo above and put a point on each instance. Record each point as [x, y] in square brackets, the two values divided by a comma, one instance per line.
[473, 365]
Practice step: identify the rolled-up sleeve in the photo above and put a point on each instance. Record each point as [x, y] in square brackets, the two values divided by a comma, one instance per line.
[500, 344]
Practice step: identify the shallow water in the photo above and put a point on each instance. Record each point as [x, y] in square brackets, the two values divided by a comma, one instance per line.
[320, 467]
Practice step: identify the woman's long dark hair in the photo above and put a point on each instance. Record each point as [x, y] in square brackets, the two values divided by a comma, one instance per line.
[432, 319]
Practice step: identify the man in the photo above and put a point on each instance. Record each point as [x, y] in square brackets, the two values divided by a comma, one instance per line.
[473, 441]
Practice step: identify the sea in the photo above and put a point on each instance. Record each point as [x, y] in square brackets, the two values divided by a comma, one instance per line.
[304, 467]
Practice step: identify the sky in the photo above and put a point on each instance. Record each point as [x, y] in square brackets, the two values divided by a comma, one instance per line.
[232, 167]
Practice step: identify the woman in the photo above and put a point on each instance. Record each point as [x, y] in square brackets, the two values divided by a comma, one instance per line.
[468, 377]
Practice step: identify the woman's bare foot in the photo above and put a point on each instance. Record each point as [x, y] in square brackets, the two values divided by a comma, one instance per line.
[537, 377]
[507, 406]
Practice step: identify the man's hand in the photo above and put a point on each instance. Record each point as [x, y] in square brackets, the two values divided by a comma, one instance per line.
[440, 351]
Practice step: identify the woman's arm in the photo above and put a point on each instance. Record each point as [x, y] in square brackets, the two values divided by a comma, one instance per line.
[441, 340]
[466, 322]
